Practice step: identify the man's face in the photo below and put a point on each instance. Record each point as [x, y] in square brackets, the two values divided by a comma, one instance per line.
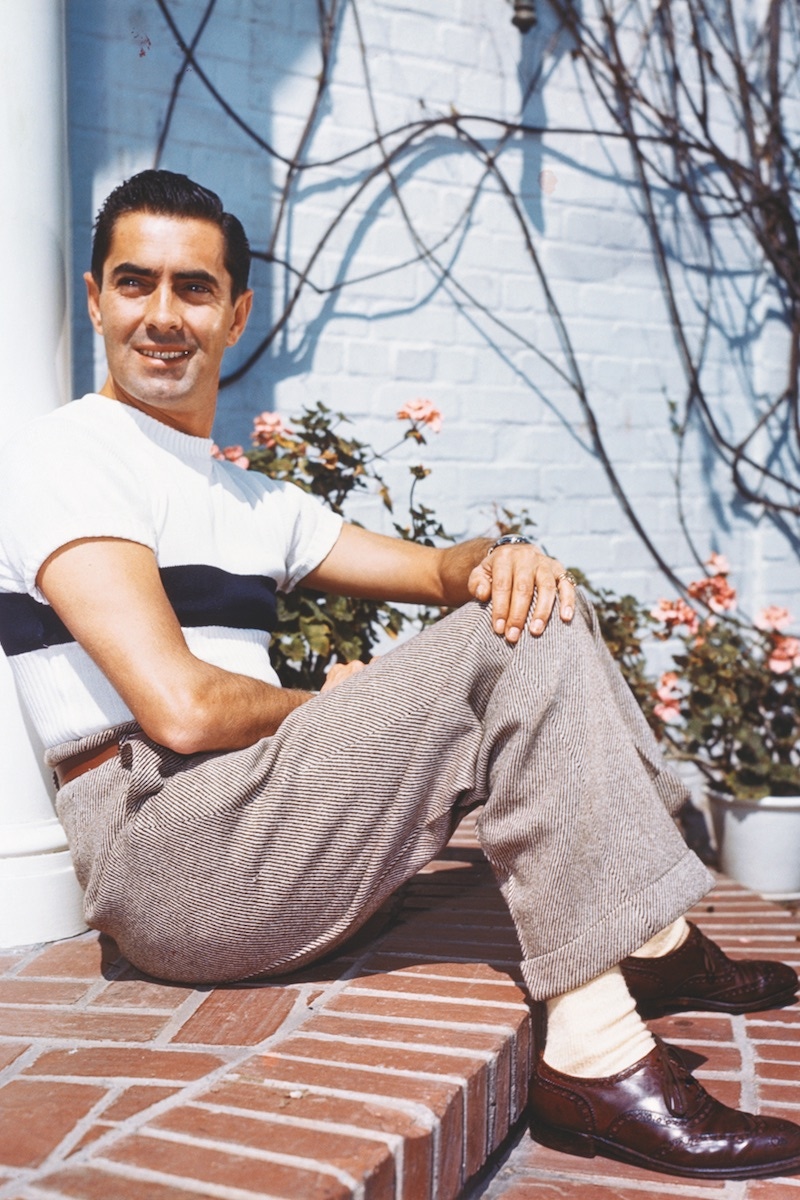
[166, 315]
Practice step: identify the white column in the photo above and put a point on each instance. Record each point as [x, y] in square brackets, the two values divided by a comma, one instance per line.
[39, 896]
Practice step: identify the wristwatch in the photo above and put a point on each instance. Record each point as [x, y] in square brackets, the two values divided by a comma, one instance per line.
[510, 539]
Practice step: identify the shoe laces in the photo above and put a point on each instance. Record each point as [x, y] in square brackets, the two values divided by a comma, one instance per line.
[681, 1089]
[716, 963]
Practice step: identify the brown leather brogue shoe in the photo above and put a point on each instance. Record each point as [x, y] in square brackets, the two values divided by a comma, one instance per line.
[655, 1114]
[698, 975]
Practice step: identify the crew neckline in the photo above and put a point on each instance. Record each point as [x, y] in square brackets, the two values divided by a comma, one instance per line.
[188, 445]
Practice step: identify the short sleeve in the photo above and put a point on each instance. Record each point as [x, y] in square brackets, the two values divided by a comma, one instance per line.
[311, 531]
[59, 483]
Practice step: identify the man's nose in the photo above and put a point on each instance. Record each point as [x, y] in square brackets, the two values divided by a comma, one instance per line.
[163, 309]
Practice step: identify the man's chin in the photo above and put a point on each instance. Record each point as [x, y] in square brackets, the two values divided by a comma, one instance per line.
[169, 389]
[162, 404]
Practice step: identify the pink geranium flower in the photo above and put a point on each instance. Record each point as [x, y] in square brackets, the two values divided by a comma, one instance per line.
[267, 428]
[718, 564]
[715, 591]
[669, 707]
[234, 454]
[784, 655]
[773, 618]
[421, 412]
[668, 711]
[668, 686]
[676, 612]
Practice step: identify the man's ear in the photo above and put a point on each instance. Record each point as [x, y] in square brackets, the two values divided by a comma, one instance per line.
[242, 306]
[93, 301]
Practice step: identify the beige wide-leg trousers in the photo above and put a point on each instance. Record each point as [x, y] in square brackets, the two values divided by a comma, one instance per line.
[221, 866]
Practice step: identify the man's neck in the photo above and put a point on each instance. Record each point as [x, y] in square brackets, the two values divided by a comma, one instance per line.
[194, 424]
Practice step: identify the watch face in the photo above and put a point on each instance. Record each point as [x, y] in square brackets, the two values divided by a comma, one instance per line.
[510, 539]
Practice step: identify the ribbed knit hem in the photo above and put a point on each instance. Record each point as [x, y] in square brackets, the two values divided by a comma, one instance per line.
[95, 741]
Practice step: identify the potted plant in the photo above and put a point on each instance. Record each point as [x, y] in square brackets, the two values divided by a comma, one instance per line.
[731, 705]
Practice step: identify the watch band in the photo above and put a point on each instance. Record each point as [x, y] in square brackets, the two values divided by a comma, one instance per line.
[510, 539]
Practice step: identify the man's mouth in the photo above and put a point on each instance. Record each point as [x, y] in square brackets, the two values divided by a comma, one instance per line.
[165, 355]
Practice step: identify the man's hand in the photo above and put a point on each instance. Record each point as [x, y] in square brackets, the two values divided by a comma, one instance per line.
[339, 672]
[384, 568]
[509, 576]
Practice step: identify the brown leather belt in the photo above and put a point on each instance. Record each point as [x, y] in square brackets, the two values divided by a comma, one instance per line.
[78, 764]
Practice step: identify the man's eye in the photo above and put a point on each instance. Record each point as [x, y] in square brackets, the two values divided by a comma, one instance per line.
[200, 289]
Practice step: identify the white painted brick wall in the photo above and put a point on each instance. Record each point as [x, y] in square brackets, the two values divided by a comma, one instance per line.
[514, 431]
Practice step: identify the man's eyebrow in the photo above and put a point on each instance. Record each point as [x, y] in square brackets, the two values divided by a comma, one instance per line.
[199, 275]
[129, 268]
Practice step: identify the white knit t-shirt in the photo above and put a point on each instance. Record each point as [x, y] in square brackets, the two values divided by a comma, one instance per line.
[225, 541]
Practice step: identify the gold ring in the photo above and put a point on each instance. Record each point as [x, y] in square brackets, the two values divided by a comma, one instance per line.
[570, 578]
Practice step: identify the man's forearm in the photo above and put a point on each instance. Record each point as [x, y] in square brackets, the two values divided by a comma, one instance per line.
[214, 709]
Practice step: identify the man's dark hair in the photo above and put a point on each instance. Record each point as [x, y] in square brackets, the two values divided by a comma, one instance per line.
[166, 194]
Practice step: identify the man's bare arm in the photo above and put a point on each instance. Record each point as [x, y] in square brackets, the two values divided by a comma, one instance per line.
[109, 594]
[368, 564]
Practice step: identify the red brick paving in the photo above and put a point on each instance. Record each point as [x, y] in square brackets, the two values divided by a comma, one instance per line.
[246, 1017]
[751, 1061]
[390, 1073]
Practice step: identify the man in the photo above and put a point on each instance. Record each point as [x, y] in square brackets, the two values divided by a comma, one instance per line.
[224, 827]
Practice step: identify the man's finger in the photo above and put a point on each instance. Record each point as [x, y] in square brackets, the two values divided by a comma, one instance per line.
[555, 585]
[520, 604]
[338, 672]
[546, 594]
[566, 595]
[479, 583]
[502, 581]
[545, 601]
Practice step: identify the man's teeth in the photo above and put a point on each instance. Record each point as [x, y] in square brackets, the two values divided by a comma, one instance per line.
[166, 354]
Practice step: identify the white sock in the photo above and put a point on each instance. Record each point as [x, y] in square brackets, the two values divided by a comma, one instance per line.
[665, 941]
[595, 1030]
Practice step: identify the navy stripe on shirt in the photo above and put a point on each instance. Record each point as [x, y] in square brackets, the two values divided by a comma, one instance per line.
[200, 595]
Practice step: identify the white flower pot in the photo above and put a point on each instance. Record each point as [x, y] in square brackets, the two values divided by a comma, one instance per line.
[759, 843]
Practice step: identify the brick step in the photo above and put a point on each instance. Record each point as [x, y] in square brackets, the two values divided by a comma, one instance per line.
[393, 1072]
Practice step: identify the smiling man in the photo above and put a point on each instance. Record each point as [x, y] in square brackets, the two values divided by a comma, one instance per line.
[224, 827]
[168, 305]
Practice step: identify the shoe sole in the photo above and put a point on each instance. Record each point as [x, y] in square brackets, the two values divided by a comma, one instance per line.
[584, 1145]
[698, 1004]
